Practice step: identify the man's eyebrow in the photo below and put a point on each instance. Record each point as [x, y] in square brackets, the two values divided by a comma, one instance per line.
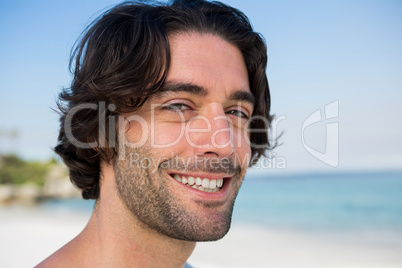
[173, 87]
[241, 95]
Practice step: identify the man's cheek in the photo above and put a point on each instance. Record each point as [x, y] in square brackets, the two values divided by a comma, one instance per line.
[164, 137]
[127, 137]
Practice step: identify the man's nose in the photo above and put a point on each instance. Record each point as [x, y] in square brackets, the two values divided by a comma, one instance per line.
[211, 133]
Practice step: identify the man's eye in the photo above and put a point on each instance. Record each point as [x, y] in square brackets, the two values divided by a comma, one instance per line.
[177, 107]
[238, 113]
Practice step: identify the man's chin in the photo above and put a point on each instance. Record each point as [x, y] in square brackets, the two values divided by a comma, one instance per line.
[201, 229]
[202, 235]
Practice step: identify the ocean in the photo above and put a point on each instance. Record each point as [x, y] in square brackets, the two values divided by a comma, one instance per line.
[327, 202]
[335, 203]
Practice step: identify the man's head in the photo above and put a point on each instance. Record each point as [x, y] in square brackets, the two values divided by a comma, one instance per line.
[185, 89]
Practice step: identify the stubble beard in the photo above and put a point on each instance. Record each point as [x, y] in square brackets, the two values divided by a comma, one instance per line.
[144, 193]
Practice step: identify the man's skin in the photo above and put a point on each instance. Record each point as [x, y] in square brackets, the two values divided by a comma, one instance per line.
[117, 235]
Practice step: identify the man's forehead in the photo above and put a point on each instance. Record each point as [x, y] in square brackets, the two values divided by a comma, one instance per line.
[209, 59]
[171, 87]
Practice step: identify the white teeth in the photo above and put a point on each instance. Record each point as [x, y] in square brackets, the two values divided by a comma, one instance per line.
[198, 181]
[191, 180]
[212, 184]
[177, 177]
[205, 185]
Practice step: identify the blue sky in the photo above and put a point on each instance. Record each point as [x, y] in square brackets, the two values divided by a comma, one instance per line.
[319, 52]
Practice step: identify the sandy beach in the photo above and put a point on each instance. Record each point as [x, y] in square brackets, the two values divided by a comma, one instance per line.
[29, 235]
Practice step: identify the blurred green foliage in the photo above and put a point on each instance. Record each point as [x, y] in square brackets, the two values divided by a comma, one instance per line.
[14, 170]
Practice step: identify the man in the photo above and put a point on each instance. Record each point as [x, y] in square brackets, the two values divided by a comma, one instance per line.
[168, 107]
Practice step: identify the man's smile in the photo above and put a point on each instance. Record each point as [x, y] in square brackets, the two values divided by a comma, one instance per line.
[202, 184]
[212, 184]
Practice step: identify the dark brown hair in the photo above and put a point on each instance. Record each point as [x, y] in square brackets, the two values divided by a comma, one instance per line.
[123, 57]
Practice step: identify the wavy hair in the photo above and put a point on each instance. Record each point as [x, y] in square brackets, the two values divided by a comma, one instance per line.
[123, 57]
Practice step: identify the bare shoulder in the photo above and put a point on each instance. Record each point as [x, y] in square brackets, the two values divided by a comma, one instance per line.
[57, 259]
[51, 261]
[67, 256]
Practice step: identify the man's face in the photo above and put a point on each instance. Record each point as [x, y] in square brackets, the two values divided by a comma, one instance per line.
[189, 143]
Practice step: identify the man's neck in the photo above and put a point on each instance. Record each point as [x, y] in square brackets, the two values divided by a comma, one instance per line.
[124, 241]
[113, 237]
